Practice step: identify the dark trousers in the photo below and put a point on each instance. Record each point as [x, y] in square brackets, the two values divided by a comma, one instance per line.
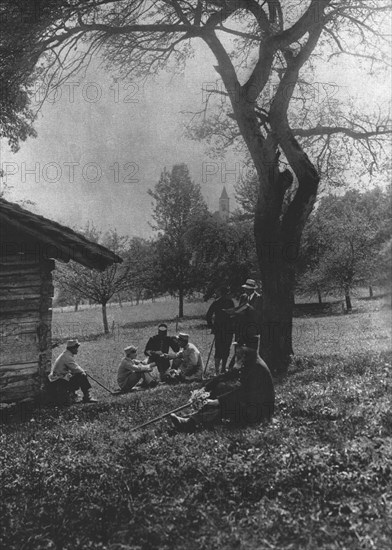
[79, 381]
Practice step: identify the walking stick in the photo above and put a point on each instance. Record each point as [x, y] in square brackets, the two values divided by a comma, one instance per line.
[157, 418]
[102, 386]
[161, 417]
[209, 355]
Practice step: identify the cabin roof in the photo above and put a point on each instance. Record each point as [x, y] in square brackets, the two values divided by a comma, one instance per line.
[61, 242]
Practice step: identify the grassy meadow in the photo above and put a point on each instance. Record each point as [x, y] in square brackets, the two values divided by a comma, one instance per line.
[318, 476]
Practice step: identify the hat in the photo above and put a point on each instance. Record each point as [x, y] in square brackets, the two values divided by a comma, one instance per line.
[249, 343]
[250, 284]
[162, 327]
[72, 344]
[183, 336]
[130, 349]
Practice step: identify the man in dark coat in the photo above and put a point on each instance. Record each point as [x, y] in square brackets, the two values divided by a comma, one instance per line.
[252, 312]
[250, 400]
[221, 326]
[246, 317]
[158, 346]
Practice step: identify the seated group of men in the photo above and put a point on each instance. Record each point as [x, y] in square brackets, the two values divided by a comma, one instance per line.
[187, 362]
[244, 395]
[161, 349]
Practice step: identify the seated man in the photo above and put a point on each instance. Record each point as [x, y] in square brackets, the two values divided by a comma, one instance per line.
[131, 371]
[158, 346]
[187, 363]
[66, 369]
[250, 401]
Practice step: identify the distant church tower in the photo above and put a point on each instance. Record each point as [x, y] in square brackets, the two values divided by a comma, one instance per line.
[224, 205]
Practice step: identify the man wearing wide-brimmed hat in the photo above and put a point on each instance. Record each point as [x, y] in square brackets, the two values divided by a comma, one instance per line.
[66, 369]
[250, 289]
[246, 317]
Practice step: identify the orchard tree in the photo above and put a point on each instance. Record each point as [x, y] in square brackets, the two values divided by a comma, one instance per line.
[224, 252]
[267, 53]
[97, 286]
[345, 242]
[142, 258]
[315, 243]
[178, 204]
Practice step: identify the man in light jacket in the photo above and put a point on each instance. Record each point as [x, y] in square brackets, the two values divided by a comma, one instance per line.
[132, 370]
[66, 368]
[187, 363]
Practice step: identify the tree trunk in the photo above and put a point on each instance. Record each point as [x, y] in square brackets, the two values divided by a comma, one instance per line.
[347, 297]
[370, 291]
[320, 300]
[105, 319]
[76, 305]
[277, 242]
[180, 303]
[278, 282]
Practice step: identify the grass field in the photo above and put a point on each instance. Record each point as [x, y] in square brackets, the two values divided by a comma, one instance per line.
[319, 476]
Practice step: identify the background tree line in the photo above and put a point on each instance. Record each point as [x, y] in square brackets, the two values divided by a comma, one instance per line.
[346, 244]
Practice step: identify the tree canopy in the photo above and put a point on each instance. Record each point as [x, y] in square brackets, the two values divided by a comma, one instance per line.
[97, 286]
[345, 242]
[178, 205]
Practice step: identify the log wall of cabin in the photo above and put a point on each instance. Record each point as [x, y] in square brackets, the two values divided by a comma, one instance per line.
[26, 291]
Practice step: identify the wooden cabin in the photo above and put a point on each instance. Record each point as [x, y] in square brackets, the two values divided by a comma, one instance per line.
[29, 245]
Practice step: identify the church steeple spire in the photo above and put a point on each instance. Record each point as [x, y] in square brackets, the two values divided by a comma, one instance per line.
[224, 205]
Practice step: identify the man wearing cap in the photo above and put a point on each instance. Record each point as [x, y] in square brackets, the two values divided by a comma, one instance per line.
[132, 370]
[188, 361]
[221, 326]
[249, 402]
[247, 316]
[66, 368]
[158, 346]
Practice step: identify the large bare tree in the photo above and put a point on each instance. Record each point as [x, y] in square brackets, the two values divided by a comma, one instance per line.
[262, 49]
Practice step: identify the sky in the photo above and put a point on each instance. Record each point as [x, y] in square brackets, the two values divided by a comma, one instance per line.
[102, 144]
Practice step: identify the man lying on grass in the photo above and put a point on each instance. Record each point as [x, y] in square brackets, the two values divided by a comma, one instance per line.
[248, 402]
[67, 372]
[132, 370]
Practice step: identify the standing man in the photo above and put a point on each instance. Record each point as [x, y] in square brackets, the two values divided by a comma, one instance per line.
[159, 345]
[221, 326]
[66, 368]
[253, 297]
[247, 316]
[251, 401]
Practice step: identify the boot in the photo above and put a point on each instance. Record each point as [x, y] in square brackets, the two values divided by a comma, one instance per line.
[185, 425]
[88, 399]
